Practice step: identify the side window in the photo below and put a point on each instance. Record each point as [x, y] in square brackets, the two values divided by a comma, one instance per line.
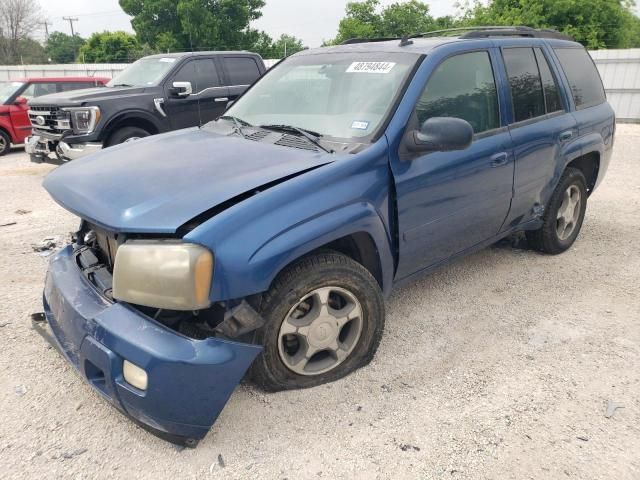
[241, 70]
[582, 74]
[201, 73]
[464, 87]
[68, 86]
[549, 85]
[38, 89]
[526, 86]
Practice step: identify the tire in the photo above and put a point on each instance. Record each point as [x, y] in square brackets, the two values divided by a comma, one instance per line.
[554, 238]
[126, 134]
[351, 288]
[5, 143]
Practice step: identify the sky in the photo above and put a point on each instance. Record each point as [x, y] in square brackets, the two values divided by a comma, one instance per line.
[310, 20]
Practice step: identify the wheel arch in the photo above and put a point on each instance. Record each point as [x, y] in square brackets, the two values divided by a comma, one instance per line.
[589, 165]
[131, 119]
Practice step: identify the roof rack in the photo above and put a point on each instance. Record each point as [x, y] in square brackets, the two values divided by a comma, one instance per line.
[498, 31]
[472, 32]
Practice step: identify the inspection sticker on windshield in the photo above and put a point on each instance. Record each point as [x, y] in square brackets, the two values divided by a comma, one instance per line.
[359, 125]
[370, 67]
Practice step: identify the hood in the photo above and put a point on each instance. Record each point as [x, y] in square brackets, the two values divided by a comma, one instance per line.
[158, 184]
[79, 97]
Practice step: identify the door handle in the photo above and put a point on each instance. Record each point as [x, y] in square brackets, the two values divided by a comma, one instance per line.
[499, 159]
[222, 99]
[564, 136]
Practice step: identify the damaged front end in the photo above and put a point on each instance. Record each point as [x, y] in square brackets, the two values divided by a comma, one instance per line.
[171, 371]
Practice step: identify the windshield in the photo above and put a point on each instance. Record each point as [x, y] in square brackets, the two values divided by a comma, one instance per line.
[7, 89]
[146, 72]
[347, 96]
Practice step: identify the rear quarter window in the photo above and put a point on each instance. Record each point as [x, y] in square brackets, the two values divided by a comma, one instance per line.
[241, 70]
[582, 74]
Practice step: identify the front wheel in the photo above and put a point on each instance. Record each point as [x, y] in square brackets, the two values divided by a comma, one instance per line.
[564, 215]
[324, 319]
[126, 134]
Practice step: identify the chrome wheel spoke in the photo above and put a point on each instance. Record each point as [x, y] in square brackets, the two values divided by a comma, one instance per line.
[568, 212]
[320, 331]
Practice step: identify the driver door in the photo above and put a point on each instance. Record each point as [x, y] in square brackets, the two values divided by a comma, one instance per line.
[207, 101]
[449, 202]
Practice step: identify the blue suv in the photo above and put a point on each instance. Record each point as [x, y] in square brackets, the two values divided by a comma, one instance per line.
[268, 239]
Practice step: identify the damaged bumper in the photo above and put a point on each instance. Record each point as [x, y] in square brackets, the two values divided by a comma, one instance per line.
[189, 381]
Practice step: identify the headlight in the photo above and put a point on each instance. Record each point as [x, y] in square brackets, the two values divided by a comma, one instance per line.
[163, 274]
[83, 119]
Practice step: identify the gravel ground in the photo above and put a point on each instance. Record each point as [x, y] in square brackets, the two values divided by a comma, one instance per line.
[501, 365]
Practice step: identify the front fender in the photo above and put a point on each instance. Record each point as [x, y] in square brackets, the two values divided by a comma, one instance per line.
[254, 239]
[293, 243]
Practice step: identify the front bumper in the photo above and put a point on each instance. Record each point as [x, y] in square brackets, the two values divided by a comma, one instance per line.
[189, 381]
[42, 146]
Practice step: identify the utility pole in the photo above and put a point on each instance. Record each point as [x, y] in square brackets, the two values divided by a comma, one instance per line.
[46, 29]
[71, 20]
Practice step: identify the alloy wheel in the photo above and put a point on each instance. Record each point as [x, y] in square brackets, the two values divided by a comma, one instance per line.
[320, 331]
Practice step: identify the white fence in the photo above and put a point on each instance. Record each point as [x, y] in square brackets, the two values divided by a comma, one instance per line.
[620, 71]
[70, 70]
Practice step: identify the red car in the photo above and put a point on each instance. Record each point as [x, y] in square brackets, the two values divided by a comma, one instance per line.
[14, 95]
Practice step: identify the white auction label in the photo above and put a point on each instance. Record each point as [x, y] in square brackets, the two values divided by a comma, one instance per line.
[370, 67]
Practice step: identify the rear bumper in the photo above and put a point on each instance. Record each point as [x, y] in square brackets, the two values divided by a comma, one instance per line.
[189, 381]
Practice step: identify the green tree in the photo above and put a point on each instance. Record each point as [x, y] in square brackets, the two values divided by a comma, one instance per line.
[110, 47]
[594, 23]
[63, 48]
[31, 52]
[198, 24]
[365, 19]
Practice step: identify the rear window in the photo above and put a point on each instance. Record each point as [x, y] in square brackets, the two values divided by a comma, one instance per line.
[584, 80]
[241, 70]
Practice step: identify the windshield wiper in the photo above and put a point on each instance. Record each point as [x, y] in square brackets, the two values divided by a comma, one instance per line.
[122, 85]
[312, 136]
[238, 122]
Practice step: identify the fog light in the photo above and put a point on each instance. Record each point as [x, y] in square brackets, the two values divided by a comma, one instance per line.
[134, 375]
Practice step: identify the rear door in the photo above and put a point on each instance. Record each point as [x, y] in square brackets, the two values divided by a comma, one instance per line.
[540, 125]
[240, 73]
[208, 99]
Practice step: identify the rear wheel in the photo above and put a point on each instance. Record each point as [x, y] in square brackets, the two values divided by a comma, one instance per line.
[564, 215]
[126, 134]
[324, 319]
[5, 143]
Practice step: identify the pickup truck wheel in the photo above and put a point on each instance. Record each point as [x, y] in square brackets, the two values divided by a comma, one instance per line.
[324, 319]
[564, 216]
[126, 134]
[5, 143]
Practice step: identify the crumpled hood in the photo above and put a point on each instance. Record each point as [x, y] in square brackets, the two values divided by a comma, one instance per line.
[157, 184]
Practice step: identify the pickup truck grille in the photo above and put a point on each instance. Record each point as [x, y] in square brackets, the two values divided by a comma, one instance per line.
[49, 119]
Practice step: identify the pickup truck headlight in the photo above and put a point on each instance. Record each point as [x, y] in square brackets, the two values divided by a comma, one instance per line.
[83, 119]
[163, 274]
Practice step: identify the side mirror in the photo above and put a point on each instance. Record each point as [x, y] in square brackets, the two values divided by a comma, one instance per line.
[182, 89]
[20, 101]
[441, 134]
